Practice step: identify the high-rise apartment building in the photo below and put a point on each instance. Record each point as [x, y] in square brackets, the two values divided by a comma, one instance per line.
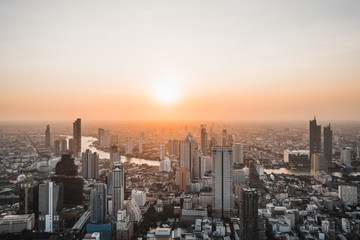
[47, 137]
[328, 143]
[222, 182]
[90, 165]
[128, 146]
[315, 137]
[77, 137]
[248, 214]
[203, 140]
[345, 156]
[238, 153]
[188, 149]
[118, 188]
[98, 204]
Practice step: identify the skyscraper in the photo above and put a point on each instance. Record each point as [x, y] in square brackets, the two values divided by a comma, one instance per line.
[29, 198]
[318, 163]
[98, 204]
[222, 182]
[128, 146]
[90, 165]
[203, 140]
[77, 137]
[50, 206]
[47, 136]
[57, 147]
[328, 143]
[315, 137]
[67, 174]
[173, 146]
[197, 164]
[162, 151]
[63, 146]
[238, 153]
[188, 153]
[248, 214]
[114, 155]
[225, 137]
[118, 188]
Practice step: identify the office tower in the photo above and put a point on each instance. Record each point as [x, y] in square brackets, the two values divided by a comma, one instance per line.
[47, 136]
[77, 137]
[57, 147]
[162, 151]
[29, 199]
[114, 155]
[173, 146]
[67, 174]
[348, 194]
[71, 145]
[188, 153]
[197, 164]
[345, 156]
[63, 146]
[118, 188]
[50, 205]
[248, 214]
[315, 137]
[203, 140]
[128, 146]
[238, 153]
[222, 182]
[98, 204]
[318, 163]
[90, 165]
[328, 143]
[140, 145]
[165, 165]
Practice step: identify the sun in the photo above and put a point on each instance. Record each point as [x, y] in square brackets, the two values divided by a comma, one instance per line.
[166, 91]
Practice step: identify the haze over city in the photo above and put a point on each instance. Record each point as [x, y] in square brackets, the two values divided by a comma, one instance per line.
[179, 60]
[180, 120]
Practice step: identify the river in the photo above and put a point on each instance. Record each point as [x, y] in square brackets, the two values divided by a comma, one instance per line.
[304, 172]
[87, 143]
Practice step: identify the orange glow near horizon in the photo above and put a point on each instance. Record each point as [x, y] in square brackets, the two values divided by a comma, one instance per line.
[179, 60]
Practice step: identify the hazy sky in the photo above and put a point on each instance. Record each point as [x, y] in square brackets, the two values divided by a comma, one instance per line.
[228, 60]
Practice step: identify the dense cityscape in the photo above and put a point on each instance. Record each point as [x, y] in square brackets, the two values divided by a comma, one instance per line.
[180, 120]
[179, 181]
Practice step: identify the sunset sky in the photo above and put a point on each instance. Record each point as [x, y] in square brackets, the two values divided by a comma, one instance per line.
[179, 60]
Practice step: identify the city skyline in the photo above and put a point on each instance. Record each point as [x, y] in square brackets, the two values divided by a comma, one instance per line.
[185, 60]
